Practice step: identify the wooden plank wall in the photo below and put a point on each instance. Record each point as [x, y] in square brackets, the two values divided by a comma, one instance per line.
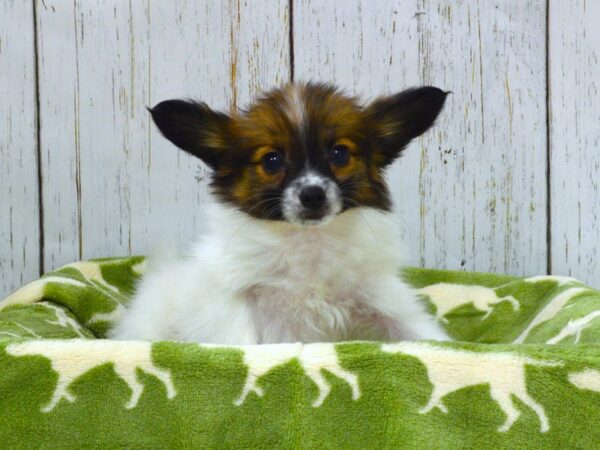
[121, 184]
[574, 131]
[19, 188]
[506, 182]
[468, 193]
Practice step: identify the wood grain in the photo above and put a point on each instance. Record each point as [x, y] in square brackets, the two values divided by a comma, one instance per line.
[123, 187]
[471, 193]
[59, 132]
[19, 205]
[574, 58]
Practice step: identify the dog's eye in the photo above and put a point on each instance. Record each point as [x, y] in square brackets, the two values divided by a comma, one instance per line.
[273, 162]
[339, 155]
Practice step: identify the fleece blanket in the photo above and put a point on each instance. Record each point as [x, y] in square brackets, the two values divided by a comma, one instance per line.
[524, 372]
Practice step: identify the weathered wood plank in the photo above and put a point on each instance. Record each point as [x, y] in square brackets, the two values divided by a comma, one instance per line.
[574, 58]
[471, 194]
[59, 131]
[122, 188]
[19, 205]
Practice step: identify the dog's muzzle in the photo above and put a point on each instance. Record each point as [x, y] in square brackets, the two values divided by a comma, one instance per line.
[311, 200]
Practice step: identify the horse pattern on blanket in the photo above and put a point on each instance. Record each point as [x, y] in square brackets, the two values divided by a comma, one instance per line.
[56, 370]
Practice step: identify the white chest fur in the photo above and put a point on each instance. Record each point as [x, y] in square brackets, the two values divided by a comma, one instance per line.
[303, 283]
[250, 281]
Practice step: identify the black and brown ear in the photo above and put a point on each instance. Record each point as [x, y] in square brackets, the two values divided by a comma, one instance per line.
[195, 128]
[400, 118]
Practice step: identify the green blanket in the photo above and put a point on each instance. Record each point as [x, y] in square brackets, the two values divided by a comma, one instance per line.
[525, 373]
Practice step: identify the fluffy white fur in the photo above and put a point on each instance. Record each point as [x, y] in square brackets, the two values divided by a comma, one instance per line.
[253, 281]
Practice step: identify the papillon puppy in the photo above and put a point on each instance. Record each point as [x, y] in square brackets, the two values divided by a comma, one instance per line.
[301, 243]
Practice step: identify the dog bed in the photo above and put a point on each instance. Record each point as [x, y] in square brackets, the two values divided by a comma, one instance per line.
[524, 373]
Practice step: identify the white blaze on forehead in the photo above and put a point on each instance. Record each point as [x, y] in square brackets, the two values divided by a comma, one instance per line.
[295, 105]
[312, 179]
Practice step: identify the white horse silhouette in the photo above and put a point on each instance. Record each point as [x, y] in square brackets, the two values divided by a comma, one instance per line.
[260, 359]
[550, 311]
[450, 370]
[72, 358]
[574, 328]
[62, 319]
[588, 379]
[449, 296]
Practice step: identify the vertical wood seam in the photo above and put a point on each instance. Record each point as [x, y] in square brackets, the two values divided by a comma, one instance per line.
[291, 37]
[77, 137]
[548, 148]
[38, 137]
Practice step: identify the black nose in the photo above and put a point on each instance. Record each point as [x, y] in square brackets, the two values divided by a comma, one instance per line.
[312, 197]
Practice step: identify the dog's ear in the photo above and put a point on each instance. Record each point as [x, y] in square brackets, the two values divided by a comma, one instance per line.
[195, 128]
[399, 118]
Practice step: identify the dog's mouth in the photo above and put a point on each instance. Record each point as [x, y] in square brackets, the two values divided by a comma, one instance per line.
[312, 218]
[309, 217]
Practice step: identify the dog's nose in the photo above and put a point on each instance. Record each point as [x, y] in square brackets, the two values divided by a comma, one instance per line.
[312, 197]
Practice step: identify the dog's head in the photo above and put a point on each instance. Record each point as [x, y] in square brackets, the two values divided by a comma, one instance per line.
[303, 153]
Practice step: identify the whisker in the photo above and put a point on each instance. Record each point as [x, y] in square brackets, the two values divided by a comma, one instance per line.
[364, 219]
[249, 218]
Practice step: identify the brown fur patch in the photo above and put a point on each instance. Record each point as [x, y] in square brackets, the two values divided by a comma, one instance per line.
[302, 122]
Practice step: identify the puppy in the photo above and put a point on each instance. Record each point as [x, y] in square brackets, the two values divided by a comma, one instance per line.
[302, 246]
